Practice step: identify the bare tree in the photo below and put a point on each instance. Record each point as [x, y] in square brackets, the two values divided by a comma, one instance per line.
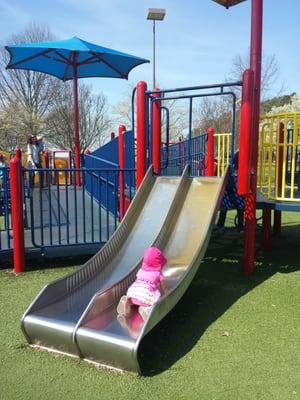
[25, 96]
[269, 74]
[122, 111]
[93, 119]
[213, 112]
[218, 112]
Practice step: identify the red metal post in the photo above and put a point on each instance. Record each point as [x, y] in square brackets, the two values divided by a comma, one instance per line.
[245, 133]
[266, 232]
[277, 213]
[46, 155]
[156, 133]
[121, 147]
[17, 215]
[76, 127]
[181, 154]
[277, 223]
[210, 166]
[255, 66]
[141, 131]
[18, 154]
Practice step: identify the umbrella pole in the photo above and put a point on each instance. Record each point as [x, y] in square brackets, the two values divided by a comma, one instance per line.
[76, 127]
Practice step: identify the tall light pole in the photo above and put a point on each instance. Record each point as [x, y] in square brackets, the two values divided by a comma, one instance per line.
[155, 14]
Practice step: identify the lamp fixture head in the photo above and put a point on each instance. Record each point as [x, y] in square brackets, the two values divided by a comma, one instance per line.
[157, 14]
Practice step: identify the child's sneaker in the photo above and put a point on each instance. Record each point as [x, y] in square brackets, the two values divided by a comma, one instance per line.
[124, 307]
[122, 319]
[144, 312]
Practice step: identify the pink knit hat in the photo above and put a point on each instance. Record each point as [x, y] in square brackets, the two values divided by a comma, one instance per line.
[154, 259]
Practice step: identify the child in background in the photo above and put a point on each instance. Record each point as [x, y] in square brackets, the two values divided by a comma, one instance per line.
[147, 288]
[2, 166]
[231, 199]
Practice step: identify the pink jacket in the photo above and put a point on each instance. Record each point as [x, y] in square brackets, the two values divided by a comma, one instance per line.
[154, 277]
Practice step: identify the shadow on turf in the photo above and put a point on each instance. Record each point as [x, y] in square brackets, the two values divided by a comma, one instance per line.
[216, 287]
[41, 263]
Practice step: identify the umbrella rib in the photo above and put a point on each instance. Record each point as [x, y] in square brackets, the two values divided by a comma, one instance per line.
[110, 66]
[67, 67]
[54, 59]
[62, 56]
[42, 53]
[88, 60]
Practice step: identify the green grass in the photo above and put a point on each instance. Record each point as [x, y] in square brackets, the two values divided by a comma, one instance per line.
[230, 337]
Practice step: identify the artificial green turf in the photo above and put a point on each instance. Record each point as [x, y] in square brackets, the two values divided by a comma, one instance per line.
[230, 337]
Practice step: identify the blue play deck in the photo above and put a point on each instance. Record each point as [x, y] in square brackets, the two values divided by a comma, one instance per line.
[263, 202]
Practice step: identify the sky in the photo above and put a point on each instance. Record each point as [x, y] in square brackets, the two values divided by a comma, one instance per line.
[195, 44]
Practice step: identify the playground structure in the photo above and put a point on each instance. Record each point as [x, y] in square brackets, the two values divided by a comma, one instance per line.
[279, 162]
[61, 218]
[53, 226]
[76, 315]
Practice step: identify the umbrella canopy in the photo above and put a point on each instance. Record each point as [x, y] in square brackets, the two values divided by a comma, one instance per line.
[228, 3]
[71, 59]
[58, 58]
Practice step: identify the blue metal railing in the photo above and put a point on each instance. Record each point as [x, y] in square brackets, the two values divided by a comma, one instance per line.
[222, 89]
[175, 156]
[58, 213]
[5, 206]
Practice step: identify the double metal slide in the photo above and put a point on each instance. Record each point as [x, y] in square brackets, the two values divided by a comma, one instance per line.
[76, 315]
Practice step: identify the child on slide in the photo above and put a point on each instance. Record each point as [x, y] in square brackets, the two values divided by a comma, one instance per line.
[147, 288]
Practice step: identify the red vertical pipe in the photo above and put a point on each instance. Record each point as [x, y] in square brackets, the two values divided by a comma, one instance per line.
[18, 153]
[17, 215]
[277, 213]
[46, 154]
[245, 133]
[255, 65]
[277, 223]
[156, 133]
[76, 126]
[141, 131]
[209, 171]
[266, 232]
[182, 159]
[121, 147]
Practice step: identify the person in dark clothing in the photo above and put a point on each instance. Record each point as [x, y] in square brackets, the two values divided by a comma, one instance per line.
[231, 199]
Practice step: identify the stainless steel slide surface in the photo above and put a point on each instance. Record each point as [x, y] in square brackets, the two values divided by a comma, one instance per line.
[177, 216]
[51, 319]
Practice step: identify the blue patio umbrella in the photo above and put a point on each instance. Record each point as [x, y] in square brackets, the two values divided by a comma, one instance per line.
[71, 59]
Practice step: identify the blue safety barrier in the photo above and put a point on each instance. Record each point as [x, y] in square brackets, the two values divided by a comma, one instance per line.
[59, 213]
[101, 183]
[5, 209]
[175, 156]
[192, 150]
